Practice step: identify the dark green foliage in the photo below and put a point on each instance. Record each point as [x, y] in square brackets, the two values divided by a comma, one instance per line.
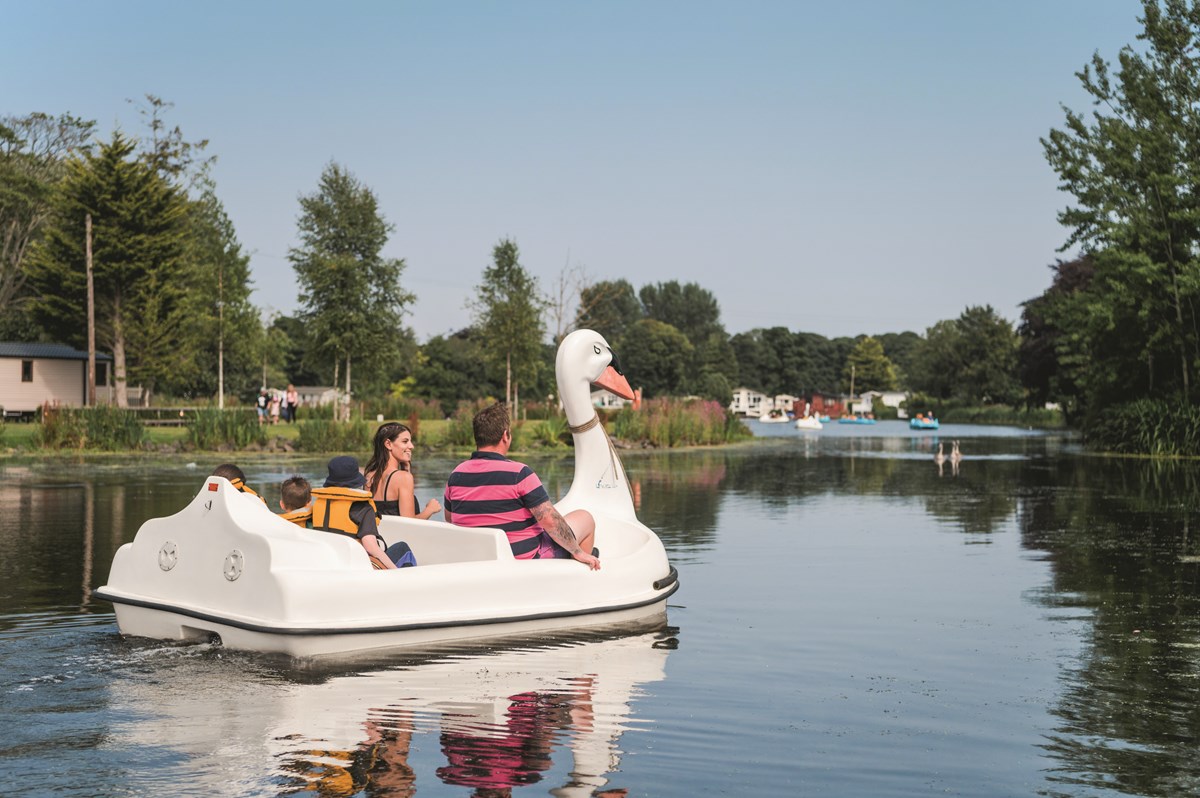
[971, 359]
[451, 368]
[211, 429]
[1049, 367]
[1147, 426]
[868, 369]
[900, 349]
[139, 245]
[351, 297]
[33, 153]
[609, 307]
[103, 427]
[508, 310]
[655, 357]
[776, 360]
[1132, 167]
[321, 435]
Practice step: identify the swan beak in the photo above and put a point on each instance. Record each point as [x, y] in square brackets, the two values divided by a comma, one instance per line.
[615, 382]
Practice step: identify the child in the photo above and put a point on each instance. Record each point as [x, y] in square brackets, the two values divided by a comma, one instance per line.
[342, 506]
[295, 499]
[236, 477]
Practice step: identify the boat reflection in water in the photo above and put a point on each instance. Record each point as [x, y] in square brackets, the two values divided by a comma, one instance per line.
[520, 715]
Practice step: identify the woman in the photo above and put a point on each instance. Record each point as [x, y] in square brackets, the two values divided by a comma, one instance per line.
[389, 474]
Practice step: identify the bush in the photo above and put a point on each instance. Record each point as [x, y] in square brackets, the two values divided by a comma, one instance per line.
[211, 429]
[322, 435]
[673, 422]
[460, 431]
[552, 431]
[391, 407]
[1147, 426]
[102, 427]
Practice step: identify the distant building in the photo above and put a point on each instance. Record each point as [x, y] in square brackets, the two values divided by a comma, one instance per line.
[747, 402]
[316, 395]
[607, 400]
[35, 374]
[865, 403]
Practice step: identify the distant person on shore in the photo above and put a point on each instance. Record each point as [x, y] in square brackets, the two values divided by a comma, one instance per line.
[491, 490]
[295, 499]
[275, 402]
[236, 477]
[261, 404]
[389, 474]
[342, 506]
[291, 400]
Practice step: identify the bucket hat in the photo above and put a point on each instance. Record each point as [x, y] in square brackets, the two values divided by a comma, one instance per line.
[343, 473]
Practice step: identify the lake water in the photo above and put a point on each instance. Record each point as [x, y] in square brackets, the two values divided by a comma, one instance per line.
[851, 622]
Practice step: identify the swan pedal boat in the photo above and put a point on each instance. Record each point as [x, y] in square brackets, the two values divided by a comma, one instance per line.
[774, 417]
[924, 423]
[226, 566]
[809, 422]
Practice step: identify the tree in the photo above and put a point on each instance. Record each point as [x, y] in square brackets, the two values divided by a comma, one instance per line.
[868, 369]
[971, 359]
[33, 153]
[656, 356]
[1049, 366]
[609, 307]
[1133, 168]
[351, 298]
[694, 312]
[139, 240]
[899, 348]
[508, 311]
[222, 328]
[451, 368]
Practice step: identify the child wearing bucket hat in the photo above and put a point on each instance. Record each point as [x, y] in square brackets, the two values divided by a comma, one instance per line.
[343, 507]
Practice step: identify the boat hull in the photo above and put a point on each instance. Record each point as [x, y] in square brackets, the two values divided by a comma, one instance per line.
[226, 566]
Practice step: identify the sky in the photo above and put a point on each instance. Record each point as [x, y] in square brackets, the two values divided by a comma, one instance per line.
[835, 168]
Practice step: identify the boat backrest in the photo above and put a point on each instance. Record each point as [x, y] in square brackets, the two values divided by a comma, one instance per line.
[437, 542]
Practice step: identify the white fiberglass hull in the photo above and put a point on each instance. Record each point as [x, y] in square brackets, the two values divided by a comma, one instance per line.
[226, 566]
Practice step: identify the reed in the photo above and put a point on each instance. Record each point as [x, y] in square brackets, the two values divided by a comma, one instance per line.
[1147, 426]
[323, 435]
[211, 428]
[103, 427]
[674, 422]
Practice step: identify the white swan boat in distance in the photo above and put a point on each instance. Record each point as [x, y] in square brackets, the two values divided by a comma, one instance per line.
[227, 566]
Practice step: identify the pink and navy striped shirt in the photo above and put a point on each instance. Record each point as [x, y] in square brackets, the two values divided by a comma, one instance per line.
[491, 490]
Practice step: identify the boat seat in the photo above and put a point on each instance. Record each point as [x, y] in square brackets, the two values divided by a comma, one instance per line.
[438, 543]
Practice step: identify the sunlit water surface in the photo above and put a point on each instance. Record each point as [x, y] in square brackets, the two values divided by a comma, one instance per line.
[854, 620]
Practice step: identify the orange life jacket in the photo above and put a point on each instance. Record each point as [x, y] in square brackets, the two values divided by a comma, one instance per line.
[331, 509]
[244, 488]
[301, 517]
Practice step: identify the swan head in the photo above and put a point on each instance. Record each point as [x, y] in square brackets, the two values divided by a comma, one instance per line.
[584, 356]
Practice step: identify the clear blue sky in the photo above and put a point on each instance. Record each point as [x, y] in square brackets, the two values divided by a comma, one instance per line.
[837, 168]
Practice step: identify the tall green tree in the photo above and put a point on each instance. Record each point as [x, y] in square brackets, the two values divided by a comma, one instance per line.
[693, 311]
[34, 150]
[1051, 367]
[1133, 167]
[868, 368]
[609, 307]
[508, 309]
[656, 356]
[351, 297]
[139, 230]
[222, 328]
[971, 359]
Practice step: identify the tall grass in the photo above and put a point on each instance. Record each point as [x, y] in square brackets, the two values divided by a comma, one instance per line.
[391, 407]
[102, 427]
[1147, 426]
[323, 435]
[673, 422]
[211, 428]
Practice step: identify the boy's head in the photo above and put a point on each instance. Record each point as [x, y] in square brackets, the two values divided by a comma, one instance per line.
[229, 471]
[294, 493]
[344, 473]
[490, 424]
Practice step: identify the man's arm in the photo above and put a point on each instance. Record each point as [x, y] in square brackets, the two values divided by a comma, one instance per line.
[557, 527]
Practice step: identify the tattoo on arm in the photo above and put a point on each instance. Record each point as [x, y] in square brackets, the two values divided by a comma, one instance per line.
[556, 526]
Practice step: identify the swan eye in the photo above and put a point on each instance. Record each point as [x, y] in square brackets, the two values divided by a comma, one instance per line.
[596, 348]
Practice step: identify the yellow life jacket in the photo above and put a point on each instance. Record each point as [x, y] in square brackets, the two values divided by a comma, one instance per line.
[301, 517]
[244, 488]
[331, 509]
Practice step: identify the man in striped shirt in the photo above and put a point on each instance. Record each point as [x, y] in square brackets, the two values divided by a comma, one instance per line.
[491, 490]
